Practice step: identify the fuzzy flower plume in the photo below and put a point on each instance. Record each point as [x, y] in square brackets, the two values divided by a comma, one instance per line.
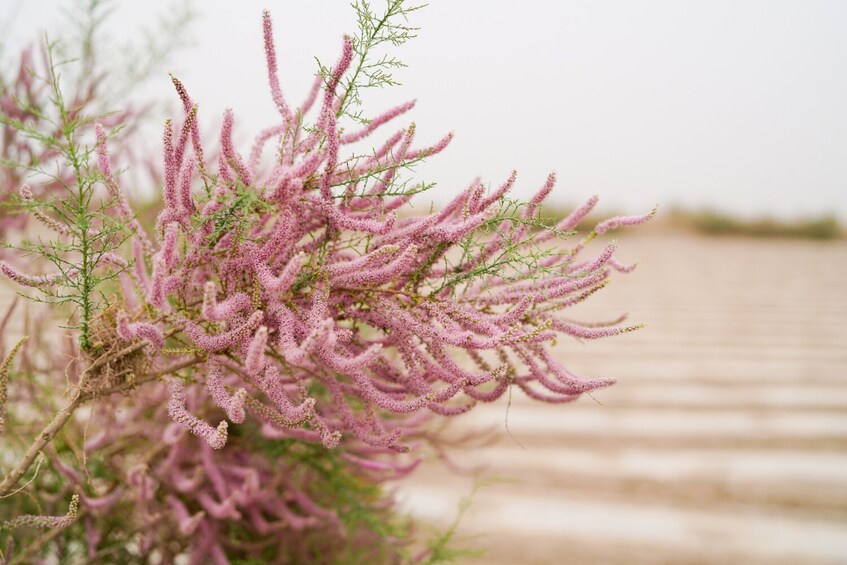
[134, 330]
[36, 280]
[46, 522]
[215, 437]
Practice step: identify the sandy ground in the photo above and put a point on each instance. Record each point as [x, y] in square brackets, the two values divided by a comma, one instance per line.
[725, 439]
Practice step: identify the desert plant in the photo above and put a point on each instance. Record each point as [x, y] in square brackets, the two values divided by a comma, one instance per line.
[284, 313]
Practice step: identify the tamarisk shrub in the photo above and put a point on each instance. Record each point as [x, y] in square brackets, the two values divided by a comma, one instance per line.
[299, 326]
[142, 490]
[323, 314]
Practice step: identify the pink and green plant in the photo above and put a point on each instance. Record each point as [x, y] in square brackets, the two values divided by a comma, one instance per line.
[289, 311]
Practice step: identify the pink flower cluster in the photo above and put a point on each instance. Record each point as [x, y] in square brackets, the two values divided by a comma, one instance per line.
[335, 313]
[45, 522]
[285, 300]
[201, 491]
[328, 311]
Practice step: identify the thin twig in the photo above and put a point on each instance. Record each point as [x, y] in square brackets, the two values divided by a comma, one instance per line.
[78, 397]
[45, 437]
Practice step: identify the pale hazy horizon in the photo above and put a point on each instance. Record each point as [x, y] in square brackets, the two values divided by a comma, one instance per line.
[736, 106]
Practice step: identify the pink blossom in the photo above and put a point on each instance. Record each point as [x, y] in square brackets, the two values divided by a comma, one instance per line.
[255, 359]
[620, 221]
[134, 330]
[51, 522]
[36, 280]
[215, 311]
[219, 342]
[233, 404]
[215, 437]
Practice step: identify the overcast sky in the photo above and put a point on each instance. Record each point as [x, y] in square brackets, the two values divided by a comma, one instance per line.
[733, 104]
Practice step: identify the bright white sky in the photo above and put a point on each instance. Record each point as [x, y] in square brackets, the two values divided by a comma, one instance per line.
[737, 105]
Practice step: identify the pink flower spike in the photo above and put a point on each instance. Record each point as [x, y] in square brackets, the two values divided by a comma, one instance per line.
[110, 258]
[26, 195]
[121, 204]
[455, 232]
[168, 251]
[233, 405]
[139, 478]
[171, 170]
[376, 122]
[499, 193]
[259, 144]
[36, 280]
[584, 332]
[133, 330]
[341, 65]
[188, 108]
[620, 267]
[380, 275]
[225, 510]
[601, 260]
[224, 171]
[232, 157]
[573, 219]
[185, 198]
[290, 412]
[184, 134]
[368, 225]
[215, 311]
[538, 198]
[280, 284]
[273, 77]
[544, 191]
[224, 340]
[95, 442]
[378, 257]
[140, 270]
[432, 150]
[46, 522]
[620, 221]
[215, 437]
[255, 360]
[331, 156]
[515, 314]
